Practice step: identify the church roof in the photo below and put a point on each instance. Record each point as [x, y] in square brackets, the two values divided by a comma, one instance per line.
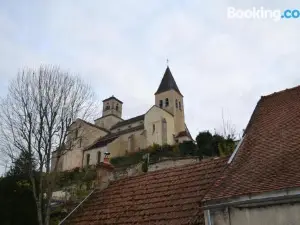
[167, 83]
[128, 121]
[112, 97]
[268, 157]
[168, 196]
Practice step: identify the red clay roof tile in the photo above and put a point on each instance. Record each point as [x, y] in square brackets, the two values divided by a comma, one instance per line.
[269, 157]
[170, 196]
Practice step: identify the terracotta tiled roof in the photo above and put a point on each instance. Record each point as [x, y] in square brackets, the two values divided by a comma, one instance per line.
[182, 134]
[170, 196]
[129, 121]
[269, 156]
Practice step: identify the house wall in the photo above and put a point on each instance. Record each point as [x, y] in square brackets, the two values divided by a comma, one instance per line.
[94, 155]
[284, 214]
[172, 163]
[154, 117]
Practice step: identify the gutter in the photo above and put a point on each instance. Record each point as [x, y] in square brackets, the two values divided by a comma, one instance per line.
[248, 202]
[61, 222]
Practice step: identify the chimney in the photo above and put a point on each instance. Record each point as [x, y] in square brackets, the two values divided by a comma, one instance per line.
[104, 172]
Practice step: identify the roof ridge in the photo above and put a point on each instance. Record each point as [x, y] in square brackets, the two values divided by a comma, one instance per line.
[94, 125]
[280, 92]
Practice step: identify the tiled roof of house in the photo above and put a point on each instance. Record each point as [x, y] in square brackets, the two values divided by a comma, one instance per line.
[168, 83]
[169, 196]
[269, 157]
[129, 121]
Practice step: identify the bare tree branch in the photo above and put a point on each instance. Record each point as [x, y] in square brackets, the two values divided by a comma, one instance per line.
[35, 118]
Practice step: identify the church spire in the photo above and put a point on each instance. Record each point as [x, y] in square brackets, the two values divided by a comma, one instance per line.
[167, 83]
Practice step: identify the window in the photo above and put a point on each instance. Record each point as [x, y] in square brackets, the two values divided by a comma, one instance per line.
[117, 107]
[76, 134]
[98, 157]
[153, 128]
[87, 159]
[167, 102]
[107, 106]
[79, 142]
[176, 103]
[179, 105]
[160, 103]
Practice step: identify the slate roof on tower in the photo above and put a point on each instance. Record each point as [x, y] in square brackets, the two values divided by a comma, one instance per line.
[168, 83]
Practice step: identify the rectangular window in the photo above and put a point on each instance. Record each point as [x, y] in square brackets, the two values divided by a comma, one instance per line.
[180, 105]
[153, 128]
[79, 142]
[76, 134]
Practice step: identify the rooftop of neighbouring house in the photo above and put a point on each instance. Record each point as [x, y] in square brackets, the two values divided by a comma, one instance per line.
[269, 156]
[169, 196]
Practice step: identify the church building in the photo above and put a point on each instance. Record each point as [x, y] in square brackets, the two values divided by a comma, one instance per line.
[163, 123]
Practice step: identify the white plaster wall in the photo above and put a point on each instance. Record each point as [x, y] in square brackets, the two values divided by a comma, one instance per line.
[171, 163]
[94, 155]
[285, 214]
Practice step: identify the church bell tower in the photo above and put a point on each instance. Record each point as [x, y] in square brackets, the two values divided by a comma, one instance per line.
[169, 98]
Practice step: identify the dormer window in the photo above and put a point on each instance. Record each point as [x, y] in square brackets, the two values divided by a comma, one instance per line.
[167, 102]
[160, 103]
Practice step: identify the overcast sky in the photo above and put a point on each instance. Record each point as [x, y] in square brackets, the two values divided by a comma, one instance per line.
[121, 47]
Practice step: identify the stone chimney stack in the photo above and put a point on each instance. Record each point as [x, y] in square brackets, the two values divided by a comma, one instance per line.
[104, 172]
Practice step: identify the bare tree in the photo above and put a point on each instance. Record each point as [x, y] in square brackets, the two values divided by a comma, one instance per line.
[35, 118]
[228, 129]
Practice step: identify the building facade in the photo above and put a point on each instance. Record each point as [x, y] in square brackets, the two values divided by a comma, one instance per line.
[163, 123]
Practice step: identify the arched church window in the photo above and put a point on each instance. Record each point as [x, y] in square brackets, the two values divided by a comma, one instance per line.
[117, 107]
[167, 102]
[160, 103]
[176, 103]
[179, 105]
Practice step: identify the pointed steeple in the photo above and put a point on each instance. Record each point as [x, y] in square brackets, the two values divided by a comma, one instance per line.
[167, 83]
